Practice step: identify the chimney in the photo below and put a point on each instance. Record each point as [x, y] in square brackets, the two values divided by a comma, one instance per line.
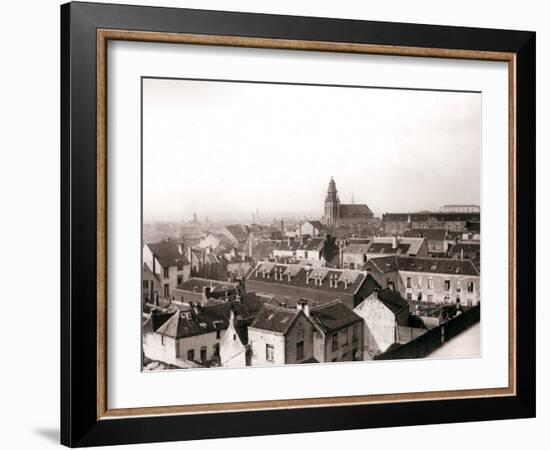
[375, 293]
[288, 241]
[205, 294]
[394, 242]
[320, 280]
[461, 253]
[189, 255]
[231, 317]
[307, 276]
[345, 282]
[180, 248]
[282, 227]
[289, 277]
[330, 280]
[196, 308]
[305, 307]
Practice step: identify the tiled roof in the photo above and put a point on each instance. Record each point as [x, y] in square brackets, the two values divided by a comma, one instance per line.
[316, 224]
[288, 245]
[167, 253]
[347, 281]
[392, 299]
[429, 234]
[387, 248]
[405, 245]
[196, 285]
[313, 244]
[357, 246]
[184, 324]
[238, 231]
[349, 211]
[333, 316]
[437, 265]
[264, 248]
[385, 264]
[275, 318]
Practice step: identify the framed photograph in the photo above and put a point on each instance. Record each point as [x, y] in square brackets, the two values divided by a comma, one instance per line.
[277, 224]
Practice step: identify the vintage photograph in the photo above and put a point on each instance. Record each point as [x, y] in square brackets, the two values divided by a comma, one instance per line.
[289, 223]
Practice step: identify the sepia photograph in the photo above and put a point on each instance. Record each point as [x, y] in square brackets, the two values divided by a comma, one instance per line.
[287, 223]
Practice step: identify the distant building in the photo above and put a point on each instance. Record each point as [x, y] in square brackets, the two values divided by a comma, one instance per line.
[338, 333]
[467, 250]
[337, 213]
[167, 260]
[397, 245]
[280, 335]
[237, 234]
[383, 312]
[436, 239]
[310, 228]
[312, 249]
[290, 283]
[460, 209]
[200, 290]
[398, 223]
[354, 253]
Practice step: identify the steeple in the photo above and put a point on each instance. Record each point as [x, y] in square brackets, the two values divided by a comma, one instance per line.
[332, 203]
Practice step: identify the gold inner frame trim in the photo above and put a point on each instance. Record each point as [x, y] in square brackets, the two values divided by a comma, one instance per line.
[103, 36]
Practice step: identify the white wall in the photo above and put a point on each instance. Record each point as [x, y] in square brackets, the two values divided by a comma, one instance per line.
[29, 182]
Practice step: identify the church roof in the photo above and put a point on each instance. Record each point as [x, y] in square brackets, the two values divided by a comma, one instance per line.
[349, 211]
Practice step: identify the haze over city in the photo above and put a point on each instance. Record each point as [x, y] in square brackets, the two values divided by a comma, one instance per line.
[222, 149]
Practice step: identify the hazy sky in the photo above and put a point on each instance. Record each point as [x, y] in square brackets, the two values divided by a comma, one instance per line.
[228, 148]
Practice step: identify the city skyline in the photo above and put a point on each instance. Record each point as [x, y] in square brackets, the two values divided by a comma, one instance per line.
[232, 170]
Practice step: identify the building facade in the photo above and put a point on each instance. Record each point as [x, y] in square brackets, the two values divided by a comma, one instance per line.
[167, 260]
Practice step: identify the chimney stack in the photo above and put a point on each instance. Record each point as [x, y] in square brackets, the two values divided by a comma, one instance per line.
[205, 294]
[307, 276]
[394, 242]
[180, 248]
[305, 307]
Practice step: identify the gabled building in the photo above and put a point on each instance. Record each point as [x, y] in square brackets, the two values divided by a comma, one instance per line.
[435, 238]
[292, 282]
[397, 245]
[310, 228]
[237, 234]
[311, 249]
[432, 280]
[167, 260]
[280, 335]
[383, 312]
[151, 286]
[234, 348]
[337, 334]
[353, 253]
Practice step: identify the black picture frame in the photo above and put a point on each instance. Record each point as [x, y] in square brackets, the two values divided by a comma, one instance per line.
[80, 425]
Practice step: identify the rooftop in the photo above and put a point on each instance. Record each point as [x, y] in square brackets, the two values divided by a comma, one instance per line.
[167, 253]
[275, 318]
[333, 316]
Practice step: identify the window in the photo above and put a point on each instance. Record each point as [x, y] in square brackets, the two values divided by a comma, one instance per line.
[167, 290]
[203, 354]
[430, 283]
[166, 272]
[389, 284]
[179, 267]
[190, 355]
[447, 285]
[469, 302]
[145, 284]
[162, 342]
[234, 336]
[180, 279]
[430, 297]
[408, 282]
[269, 352]
[419, 296]
[409, 296]
[305, 255]
[352, 266]
[446, 299]
[335, 342]
[470, 287]
[344, 337]
[300, 350]
[218, 334]
[419, 282]
[355, 332]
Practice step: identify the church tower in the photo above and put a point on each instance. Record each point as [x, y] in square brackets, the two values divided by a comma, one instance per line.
[332, 204]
